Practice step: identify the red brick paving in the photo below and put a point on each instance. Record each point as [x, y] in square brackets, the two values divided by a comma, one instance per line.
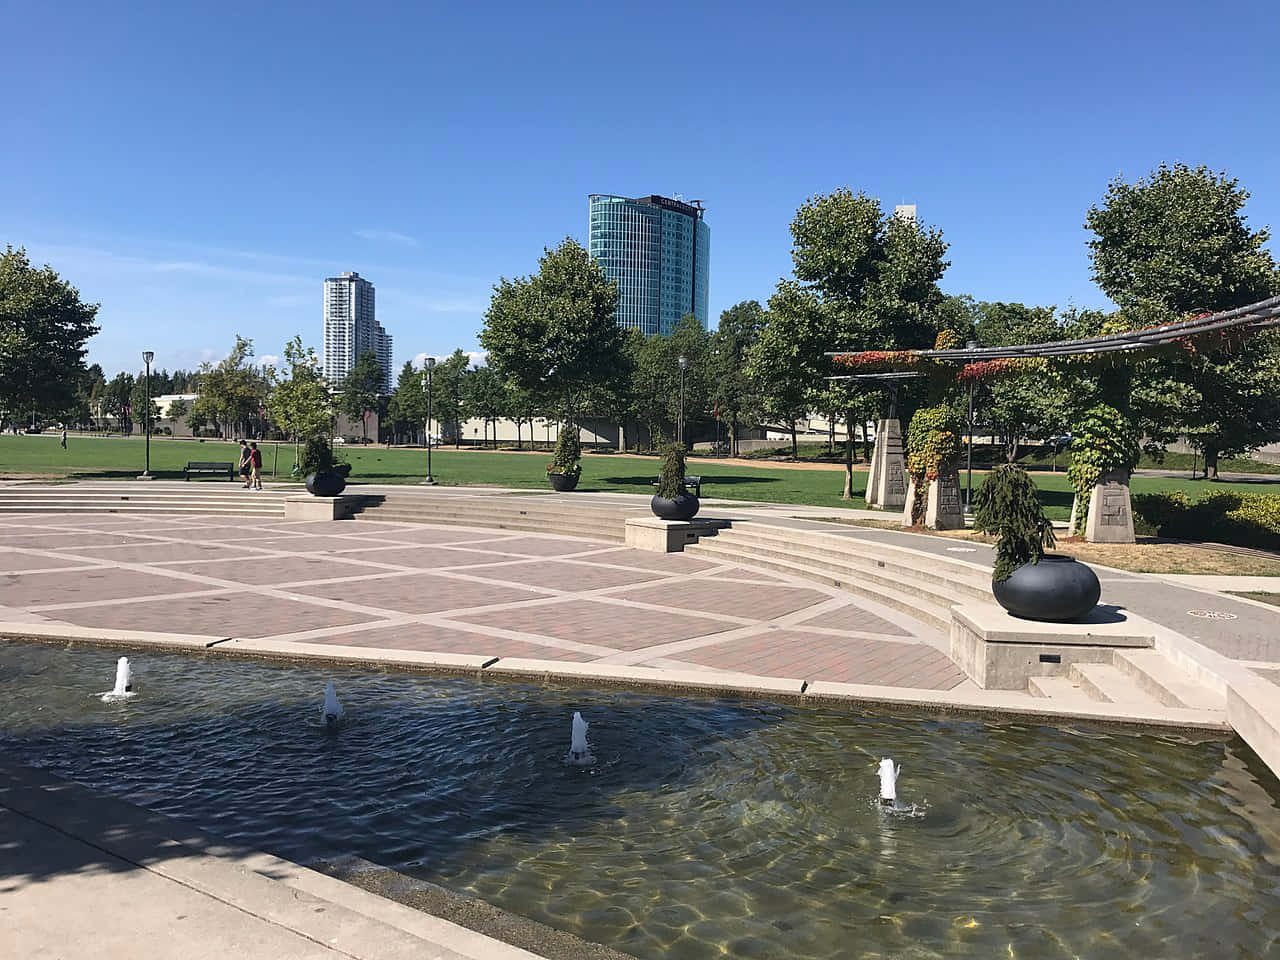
[221, 615]
[804, 656]
[604, 624]
[327, 550]
[755, 600]
[420, 593]
[432, 638]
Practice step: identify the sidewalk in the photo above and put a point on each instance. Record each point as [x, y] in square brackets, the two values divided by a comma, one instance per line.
[85, 875]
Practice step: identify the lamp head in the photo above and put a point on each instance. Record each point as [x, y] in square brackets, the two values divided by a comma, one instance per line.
[683, 361]
[431, 363]
[148, 356]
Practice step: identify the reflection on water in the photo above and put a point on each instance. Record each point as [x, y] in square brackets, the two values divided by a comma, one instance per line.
[704, 827]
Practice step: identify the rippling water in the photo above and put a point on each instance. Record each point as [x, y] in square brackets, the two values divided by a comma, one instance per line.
[705, 827]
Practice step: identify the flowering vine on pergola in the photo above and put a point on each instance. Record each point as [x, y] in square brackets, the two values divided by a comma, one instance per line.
[984, 363]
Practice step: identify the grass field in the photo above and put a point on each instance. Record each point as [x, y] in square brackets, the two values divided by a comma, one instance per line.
[121, 458]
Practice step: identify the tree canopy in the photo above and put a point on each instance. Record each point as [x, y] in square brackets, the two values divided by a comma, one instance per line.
[43, 330]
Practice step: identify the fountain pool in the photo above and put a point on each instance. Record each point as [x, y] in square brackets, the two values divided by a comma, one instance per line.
[704, 827]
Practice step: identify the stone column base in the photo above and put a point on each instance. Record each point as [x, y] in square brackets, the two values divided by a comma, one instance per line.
[1110, 517]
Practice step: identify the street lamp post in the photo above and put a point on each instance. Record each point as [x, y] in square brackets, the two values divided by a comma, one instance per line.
[683, 362]
[147, 357]
[968, 490]
[429, 481]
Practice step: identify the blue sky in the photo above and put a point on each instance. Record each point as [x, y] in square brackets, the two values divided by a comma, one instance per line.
[199, 169]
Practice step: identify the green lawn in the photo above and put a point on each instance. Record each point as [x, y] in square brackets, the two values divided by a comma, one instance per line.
[118, 458]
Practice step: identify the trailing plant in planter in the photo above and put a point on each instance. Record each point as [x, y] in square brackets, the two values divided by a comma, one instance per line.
[1008, 507]
[1028, 582]
[1103, 440]
[933, 445]
[566, 464]
[673, 501]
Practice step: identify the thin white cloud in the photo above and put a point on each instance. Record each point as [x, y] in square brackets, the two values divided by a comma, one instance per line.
[391, 236]
[269, 360]
[477, 358]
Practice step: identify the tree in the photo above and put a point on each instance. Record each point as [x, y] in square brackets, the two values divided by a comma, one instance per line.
[485, 396]
[232, 392]
[138, 402]
[555, 333]
[43, 330]
[1176, 244]
[448, 387]
[1021, 407]
[301, 405]
[864, 281]
[779, 362]
[407, 409]
[734, 396]
[360, 389]
[178, 411]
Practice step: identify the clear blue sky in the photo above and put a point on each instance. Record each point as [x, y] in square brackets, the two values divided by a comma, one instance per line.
[198, 169]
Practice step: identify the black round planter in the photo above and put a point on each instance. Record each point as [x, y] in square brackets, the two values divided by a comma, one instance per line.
[326, 483]
[684, 506]
[563, 482]
[1058, 588]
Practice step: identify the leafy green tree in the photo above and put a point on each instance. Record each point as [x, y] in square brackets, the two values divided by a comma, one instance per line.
[1024, 407]
[43, 330]
[232, 391]
[407, 409]
[360, 390]
[781, 361]
[867, 281]
[555, 333]
[1176, 244]
[178, 410]
[138, 401]
[301, 404]
[448, 388]
[733, 394]
[485, 397]
[116, 401]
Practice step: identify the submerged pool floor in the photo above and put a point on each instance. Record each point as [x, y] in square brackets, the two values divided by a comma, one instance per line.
[704, 827]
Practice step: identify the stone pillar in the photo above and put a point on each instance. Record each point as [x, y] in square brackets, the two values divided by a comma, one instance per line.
[1110, 518]
[943, 508]
[887, 481]
[874, 469]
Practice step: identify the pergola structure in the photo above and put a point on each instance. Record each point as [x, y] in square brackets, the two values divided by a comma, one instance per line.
[1251, 318]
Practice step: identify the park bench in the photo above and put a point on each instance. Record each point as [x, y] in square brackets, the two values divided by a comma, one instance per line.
[209, 466]
[694, 484]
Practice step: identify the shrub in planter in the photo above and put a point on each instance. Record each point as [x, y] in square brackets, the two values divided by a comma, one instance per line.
[673, 501]
[1101, 441]
[566, 464]
[324, 476]
[1026, 581]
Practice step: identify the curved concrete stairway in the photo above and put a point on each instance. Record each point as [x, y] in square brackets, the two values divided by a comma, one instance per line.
[920, 585]
[143, 497]
[566, 515]
[925, 586]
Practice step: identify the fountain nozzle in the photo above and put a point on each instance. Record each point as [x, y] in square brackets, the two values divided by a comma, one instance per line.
[332, 710]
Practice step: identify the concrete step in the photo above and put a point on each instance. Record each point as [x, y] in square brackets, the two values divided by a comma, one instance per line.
[1059, 688]
[1160, 678]
[932, 614]
[196, 510]
[1102, 681]
[866, 554]
[889, 573]
[578, 529]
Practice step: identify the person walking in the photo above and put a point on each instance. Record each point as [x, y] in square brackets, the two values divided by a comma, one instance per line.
[63, 441]
[255, 466]
[244, 463]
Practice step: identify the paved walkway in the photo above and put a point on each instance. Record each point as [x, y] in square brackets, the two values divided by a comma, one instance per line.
[449, 589]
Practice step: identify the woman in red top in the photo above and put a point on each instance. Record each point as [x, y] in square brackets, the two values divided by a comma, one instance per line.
[255, 466]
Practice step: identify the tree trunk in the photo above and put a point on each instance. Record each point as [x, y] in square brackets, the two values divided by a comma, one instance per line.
[866, 444]
[519, 436]
[795, 447]
[831, 435]
[1210, 463]
[848, 454]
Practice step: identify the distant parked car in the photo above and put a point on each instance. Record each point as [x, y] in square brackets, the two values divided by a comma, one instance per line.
[339, 440]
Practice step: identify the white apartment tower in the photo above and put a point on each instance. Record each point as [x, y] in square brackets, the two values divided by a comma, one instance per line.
[350, 330]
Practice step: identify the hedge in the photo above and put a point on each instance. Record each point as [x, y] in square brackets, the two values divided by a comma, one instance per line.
[1240, 519]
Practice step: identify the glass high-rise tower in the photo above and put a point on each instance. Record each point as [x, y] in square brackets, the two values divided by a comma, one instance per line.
[658, 250]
